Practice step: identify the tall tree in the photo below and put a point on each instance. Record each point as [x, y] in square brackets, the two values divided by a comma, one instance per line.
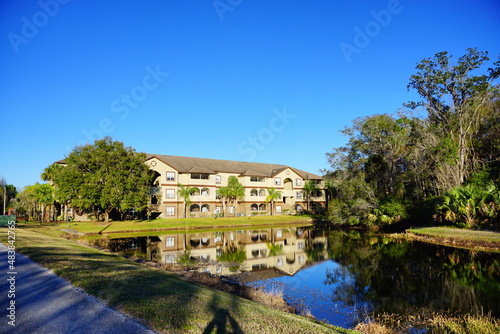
[272, 196]
[25, 203]
[7, 194]
[104, 176]
[454, 97]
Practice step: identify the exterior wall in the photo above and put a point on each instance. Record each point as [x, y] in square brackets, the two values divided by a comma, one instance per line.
[172, 206]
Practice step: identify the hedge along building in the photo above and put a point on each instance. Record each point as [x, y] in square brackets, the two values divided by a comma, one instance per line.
[206, 176]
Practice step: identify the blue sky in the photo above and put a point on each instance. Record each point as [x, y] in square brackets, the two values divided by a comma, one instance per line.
[263, 81]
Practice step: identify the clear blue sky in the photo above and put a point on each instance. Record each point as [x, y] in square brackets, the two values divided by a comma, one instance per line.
[263, 81]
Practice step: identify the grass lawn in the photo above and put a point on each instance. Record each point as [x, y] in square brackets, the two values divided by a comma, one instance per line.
[183, 224]
[481, 240]
[160, 299]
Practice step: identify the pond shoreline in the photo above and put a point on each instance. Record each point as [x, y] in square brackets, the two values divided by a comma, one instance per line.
[486, 241]
[204, 228]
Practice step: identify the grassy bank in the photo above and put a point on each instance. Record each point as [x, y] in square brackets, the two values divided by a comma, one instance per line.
[448, 236]
[183, 224]
[161, 300]
[435, 323]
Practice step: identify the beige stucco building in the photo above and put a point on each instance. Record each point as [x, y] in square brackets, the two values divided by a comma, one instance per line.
[208, 175]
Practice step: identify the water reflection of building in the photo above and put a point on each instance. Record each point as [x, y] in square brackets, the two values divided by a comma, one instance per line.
[286, 250]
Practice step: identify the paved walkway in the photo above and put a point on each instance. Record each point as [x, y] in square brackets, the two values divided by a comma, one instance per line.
[47, 304]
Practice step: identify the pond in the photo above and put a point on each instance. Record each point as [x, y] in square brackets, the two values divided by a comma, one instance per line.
[337, 276]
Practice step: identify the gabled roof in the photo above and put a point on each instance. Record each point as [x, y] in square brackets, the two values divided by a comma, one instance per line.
[211, 166]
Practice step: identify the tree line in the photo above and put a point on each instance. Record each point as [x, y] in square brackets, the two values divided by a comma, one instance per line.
[442, 167]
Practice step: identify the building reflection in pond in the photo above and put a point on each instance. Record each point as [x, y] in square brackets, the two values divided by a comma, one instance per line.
[280, 251]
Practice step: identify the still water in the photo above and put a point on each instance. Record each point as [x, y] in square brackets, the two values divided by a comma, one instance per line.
[337, 276]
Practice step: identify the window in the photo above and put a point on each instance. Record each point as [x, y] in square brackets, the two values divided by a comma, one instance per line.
[170, 210]
[170, 193]
[257, 179]
[195, 192]
[199, 176]
[218, 209]
[278, 208]
[253, 192]
[298, 182]
[205, 192]
[262, 192]
[299, 194]
[205, 208]
[279, 262]
[170, 176]
[279, 233]
[170, 242]
[277, 181]
[254, 207]
[262, 207]
[217, 179]
[194, 208]
[300, 245]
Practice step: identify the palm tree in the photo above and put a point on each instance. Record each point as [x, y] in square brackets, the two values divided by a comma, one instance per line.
[44, 195]
[236, 192]
[224, 194]
[185, 193]
[272, 195]
[310, 188]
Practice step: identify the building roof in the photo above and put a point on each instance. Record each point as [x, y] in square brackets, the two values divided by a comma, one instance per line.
[213, 166]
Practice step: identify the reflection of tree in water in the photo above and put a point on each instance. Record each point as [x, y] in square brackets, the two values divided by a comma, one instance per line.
[393, 275]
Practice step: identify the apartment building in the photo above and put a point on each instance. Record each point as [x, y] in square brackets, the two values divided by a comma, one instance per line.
[206, 176]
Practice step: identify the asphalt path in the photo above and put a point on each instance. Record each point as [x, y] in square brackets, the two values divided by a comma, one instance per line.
[36, 300]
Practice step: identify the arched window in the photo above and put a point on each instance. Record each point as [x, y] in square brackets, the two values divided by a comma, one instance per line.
[205, 208]
[262, 192]
[254, 207]
[253, 192]
[195, 192]
[194, 208]
[298, 207]
[262, 207]
[205, 192]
